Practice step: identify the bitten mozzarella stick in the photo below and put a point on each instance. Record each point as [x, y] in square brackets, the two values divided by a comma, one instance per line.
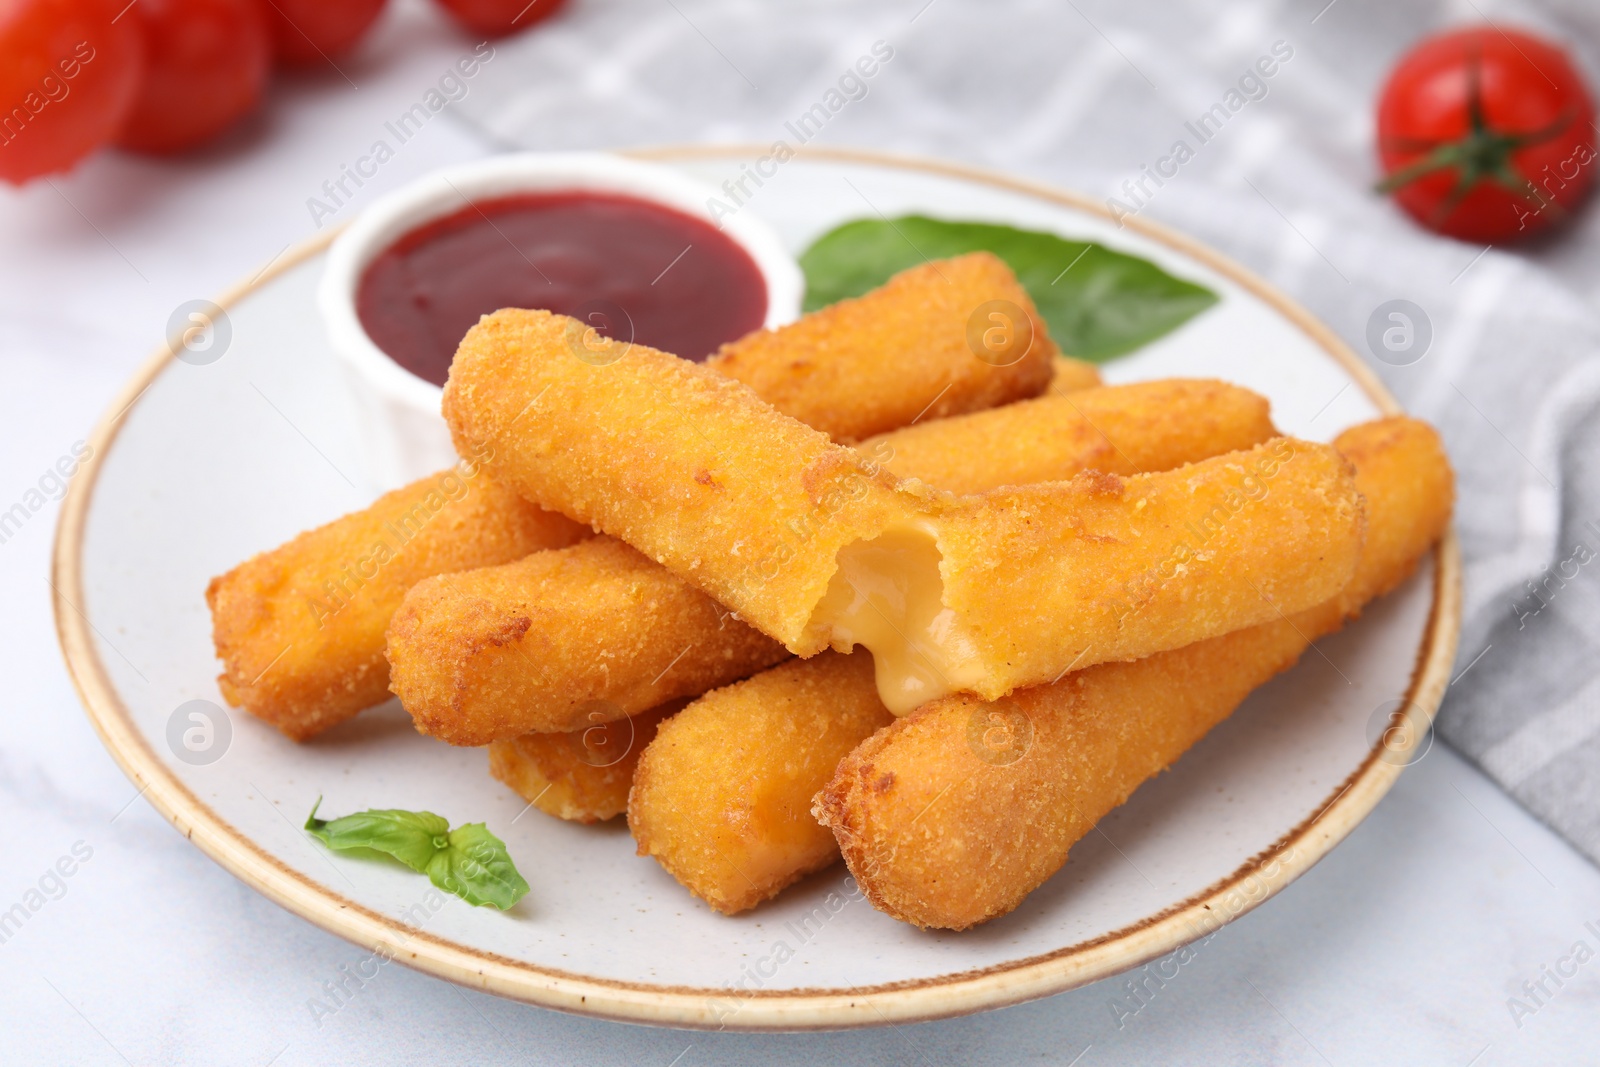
[1119, 429]
[485, 655]
[580, 775]
[951, 816]
[300, 629]
[722, 796]
[1039, 580]
[758, 511]
[930, 360]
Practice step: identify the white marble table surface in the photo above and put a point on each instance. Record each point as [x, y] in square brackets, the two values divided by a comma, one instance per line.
[1402, 947]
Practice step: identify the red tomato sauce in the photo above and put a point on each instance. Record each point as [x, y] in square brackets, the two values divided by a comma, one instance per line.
[635, 270]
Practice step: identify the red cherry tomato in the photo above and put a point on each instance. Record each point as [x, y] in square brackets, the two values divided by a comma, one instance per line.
[307, 32]
[207, 65]
[496, 18]
[1486, 134]
[69, 70]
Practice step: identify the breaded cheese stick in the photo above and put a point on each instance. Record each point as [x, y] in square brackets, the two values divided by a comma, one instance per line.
[300, 629]
[951, 816]
[484, 655]
[1119, 429]
[758, 511]
[929, 361]
[580, 775]
[722, 796]
[539, 644]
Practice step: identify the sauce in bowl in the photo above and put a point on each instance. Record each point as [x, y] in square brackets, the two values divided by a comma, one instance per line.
[635, 270]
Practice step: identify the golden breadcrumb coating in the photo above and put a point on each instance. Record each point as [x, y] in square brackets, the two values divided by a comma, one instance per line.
[581, 775]
[540, 644]
[300, 629]
[951, 816]
[484, 655]
[1119, 429]
[1066, 575]
[915, 331]
[722, 796]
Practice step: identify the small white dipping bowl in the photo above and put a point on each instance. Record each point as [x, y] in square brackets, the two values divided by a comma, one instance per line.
[405, 435]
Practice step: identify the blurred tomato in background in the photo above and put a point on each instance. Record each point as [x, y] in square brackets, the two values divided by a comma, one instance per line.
[305, 32]
[499, 17]
[161, 76]
[206, 65]
[1486, 134]
[69, 75]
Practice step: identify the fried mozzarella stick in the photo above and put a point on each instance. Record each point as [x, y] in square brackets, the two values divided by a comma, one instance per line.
[722, 796]
[1119, 429]
[580, 775]
[539, 644]
[815, 547]
[951, 816]
[486, 655]
[1038, 580]
[929, 360]
[300, 629]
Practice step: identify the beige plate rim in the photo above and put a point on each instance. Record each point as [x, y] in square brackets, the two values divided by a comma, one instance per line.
[708, 1008]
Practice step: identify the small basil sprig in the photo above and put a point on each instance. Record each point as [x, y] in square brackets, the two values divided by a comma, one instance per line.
[468, 861]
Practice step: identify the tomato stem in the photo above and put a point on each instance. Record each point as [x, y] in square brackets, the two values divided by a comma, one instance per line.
[1483, 154]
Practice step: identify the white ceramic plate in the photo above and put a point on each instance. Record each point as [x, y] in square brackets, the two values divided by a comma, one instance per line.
[198, 467]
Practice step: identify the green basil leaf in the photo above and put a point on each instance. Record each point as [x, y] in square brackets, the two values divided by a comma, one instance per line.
[468, 861]
[477, 868]
[412, 837]
[1098, 304]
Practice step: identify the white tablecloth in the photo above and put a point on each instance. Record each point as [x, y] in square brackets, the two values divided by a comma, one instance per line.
[1403, 946]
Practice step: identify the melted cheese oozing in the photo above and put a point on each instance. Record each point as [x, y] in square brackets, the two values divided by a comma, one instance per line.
[888, 596]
